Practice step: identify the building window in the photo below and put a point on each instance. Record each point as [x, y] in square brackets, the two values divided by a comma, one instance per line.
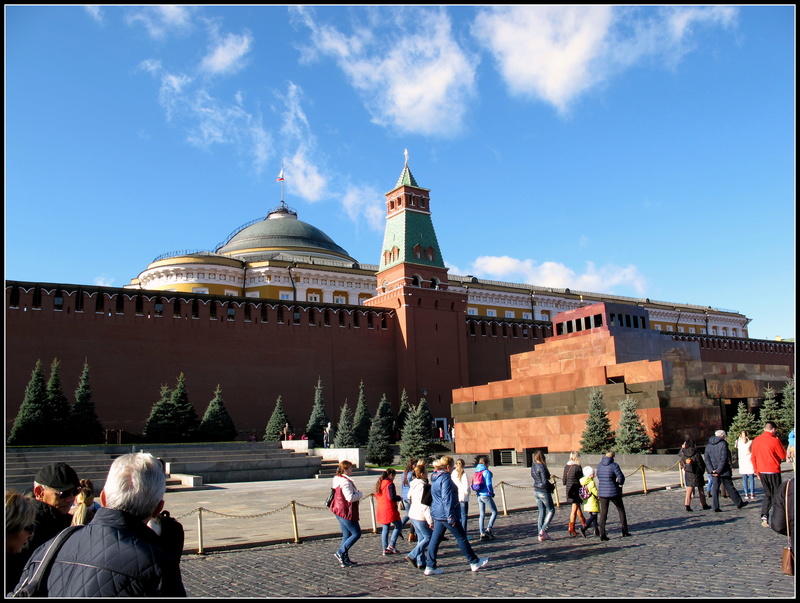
[285, 295]
[472, 311]
[526, 315]
[313, 297]
[509, 314]
[339, 299]
[231, 292]
[200, 290]
[491, 312]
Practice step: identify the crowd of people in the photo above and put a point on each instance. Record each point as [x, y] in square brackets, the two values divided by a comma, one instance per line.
[105, 550]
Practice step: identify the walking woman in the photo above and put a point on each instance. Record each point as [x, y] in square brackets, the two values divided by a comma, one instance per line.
[405, 486]
[744, 446]
[387, 514]
[461, 480]
[573, 473]
[485, 499]
[345, 507]
[542, 491]
[694, 470]
[420, 513]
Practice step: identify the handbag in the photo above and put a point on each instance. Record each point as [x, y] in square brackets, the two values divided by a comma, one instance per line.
[787, 561]
[329, 500]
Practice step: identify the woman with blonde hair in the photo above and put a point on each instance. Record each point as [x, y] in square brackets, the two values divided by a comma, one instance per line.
[573, 473]
[345, 507]
[85, 506]
[542, 489]
[20, 525]
[461, 480]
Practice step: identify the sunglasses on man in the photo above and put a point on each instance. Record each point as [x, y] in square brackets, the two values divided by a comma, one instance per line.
[67, 493]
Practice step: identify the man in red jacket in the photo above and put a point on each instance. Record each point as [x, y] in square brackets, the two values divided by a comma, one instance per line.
[767, 456]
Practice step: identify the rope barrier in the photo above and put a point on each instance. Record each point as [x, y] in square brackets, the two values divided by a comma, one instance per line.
[292, 505]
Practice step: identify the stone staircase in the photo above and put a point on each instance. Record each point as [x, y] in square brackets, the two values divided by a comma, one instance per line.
[188, 466]
[328, 470]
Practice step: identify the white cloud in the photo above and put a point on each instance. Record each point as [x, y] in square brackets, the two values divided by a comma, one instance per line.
[414, 78]
[553, 274]
[556, 54]
[365, 204]
[103, 281]
[95, 12]
[161, 20]
[228, 54]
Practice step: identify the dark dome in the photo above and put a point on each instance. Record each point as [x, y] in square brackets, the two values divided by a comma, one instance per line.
[281, 231]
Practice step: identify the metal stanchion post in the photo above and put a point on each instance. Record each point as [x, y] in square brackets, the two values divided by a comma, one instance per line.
[294, 523]
[200, 531]
[644, 480]
[503, 496]
[555, 491]
[372, 513]
[680, 476]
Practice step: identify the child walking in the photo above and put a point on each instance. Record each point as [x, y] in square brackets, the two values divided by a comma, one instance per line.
[591, 505]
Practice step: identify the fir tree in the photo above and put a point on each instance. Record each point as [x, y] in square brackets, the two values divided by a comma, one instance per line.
[217, 425]
[159, 425]
[276, 422]
[425, 416]
[31, 416]
[402, 413]
[318, 419]
[742, 421]
[362, 420]
[57, 413]
[416, 441]
[345, 434]
[84, 422]
[598, 438]
[379, 444]
[787, 419]
[187, 420]
[770, 409]
[631, 436]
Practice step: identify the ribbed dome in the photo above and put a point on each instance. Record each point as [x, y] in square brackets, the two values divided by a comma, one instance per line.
[282, 231]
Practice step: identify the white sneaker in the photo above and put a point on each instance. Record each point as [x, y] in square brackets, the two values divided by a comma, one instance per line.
[479, 564]
[432, 571]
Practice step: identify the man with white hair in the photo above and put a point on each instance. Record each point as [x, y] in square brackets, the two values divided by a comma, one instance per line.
[718, 461]
[116, 554]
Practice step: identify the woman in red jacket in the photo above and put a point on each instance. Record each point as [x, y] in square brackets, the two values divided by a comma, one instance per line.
[387, 513]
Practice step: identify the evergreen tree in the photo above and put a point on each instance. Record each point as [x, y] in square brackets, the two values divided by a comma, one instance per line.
[187, 420]
[770, 409]
[416, 440]
[318, 419]
[217, 425]
[379, 444]
[362, 420]
[742, 421]
[276, 422]
[787, 419]
[345, 434]
[425, 416]
[84, 422]
[631, 436]
[402, 413]
[159, 425]
[31, 416]
[598, 437]
[57, 413]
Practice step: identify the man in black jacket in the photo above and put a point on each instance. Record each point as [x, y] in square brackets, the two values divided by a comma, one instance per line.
[718, 461]
[116, 554]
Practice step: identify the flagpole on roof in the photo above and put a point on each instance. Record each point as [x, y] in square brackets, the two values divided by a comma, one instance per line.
[280, 179]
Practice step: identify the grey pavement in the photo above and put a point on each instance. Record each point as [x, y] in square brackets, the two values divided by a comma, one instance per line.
[249, 548]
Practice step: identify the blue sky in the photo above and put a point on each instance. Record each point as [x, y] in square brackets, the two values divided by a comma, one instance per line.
[646, 152]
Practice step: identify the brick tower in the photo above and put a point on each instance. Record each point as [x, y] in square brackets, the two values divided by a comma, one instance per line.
[412, 280]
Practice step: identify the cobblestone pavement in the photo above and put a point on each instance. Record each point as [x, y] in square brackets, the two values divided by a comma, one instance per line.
[672, 553]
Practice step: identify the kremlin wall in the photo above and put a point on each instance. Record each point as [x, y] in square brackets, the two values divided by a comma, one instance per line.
[279, 306]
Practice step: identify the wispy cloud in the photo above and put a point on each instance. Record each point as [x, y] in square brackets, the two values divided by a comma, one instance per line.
[365, 204]
[608, 278]
[556, 54]
[103, 281]
[228, 54]
[414, 79]
[94, 11]
[161, 20]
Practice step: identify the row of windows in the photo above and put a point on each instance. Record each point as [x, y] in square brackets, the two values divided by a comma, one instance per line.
[723, 331]
[397, 202]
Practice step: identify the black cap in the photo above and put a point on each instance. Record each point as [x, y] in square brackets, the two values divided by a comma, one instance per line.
[58, 476]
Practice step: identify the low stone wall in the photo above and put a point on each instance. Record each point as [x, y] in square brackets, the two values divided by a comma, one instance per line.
[357, 456]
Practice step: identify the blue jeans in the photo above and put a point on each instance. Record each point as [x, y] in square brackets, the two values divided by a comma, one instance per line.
[423, 539]
[385, 541]
[464, 507]
[483, 502]
[749, 479]
[439, 526]
[351, 532]
[544, 501]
